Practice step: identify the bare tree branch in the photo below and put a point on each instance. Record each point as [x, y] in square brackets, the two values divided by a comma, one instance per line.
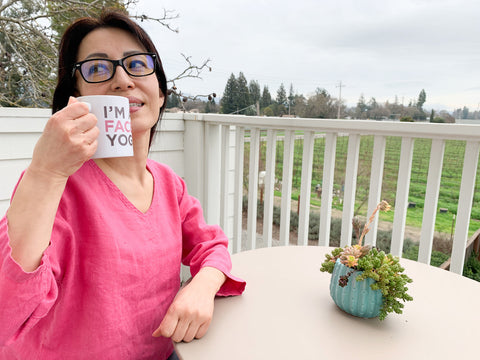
[28, 46]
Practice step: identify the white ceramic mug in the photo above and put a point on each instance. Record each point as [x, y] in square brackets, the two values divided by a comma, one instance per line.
[113, 115]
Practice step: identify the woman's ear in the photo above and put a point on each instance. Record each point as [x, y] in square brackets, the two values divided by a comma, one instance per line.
[162, 98]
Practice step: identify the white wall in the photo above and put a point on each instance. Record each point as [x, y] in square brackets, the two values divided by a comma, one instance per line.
[20, 129]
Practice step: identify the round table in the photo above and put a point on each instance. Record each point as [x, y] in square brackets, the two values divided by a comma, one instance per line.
[286, 312]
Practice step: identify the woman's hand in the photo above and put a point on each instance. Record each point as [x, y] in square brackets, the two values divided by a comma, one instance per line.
[191, 311]
[68, 140]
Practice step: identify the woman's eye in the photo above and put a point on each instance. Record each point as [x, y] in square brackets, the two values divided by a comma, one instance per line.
[136, 64]
[97, 69]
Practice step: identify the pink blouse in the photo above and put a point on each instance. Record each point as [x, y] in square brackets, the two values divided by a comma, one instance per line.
[110, 273]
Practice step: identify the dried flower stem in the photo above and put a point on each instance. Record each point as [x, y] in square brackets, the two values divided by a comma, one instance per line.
[382, 206]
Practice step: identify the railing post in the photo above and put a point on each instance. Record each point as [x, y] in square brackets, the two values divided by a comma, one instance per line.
[431, 201]
[269, 187]
[350, 189]
[212, 174]
[327, 189]
[238, 188]
[401, 198]
[287, 174]
[306, 187]
[464, 206]
[194, 156]
[375, 192]
[224, 183]
[253, 188]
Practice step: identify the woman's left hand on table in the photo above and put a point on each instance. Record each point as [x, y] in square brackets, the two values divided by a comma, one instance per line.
[191, 311]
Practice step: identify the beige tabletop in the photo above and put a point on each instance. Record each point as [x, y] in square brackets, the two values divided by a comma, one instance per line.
[286, 312]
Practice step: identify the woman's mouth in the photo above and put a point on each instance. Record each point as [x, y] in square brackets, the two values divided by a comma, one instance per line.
[135, 105]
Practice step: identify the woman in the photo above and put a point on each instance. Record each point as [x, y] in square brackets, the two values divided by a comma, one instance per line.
[91, 249]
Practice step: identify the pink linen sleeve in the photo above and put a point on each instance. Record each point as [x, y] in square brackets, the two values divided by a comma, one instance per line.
[24, 297]
[205, 245]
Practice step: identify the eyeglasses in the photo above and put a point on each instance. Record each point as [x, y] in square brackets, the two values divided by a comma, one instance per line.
[100, 70]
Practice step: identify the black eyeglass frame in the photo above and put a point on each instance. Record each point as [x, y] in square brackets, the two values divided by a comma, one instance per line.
[115, 63]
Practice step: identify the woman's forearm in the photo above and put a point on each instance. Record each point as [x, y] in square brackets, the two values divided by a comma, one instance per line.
[31, 216]
[68, 140]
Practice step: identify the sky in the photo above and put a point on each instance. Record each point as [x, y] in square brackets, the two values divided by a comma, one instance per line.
[386, 49]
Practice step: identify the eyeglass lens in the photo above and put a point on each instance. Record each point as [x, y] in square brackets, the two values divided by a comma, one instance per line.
[98, 70]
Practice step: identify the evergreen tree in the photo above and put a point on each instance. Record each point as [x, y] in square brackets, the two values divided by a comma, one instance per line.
[266, 99]
[422, 97]
[291, 100]
[229, 104]
[281, 95]
[254, 90]
[210, 106]
[243, 95]
[361, 109]
[173, 101]
[291, 97]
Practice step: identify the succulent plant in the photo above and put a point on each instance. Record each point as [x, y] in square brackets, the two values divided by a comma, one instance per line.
[384, 269]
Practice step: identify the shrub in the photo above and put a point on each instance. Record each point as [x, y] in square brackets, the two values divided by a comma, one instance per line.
[437, 259]
[472, 267]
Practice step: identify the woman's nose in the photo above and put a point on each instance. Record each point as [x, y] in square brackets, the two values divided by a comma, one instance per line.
[121, 79]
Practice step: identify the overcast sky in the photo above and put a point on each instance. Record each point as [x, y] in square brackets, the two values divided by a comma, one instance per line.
[378, 48]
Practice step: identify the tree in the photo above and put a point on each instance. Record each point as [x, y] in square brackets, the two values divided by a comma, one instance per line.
[422, 97]
[320, 105]
[281, 95]
[60, 20]
[254, 91]
[446, 116]
[278, 107]
[375, 110]
[299, 105]
[30, 31]
[268, 111]
[211, 106]
[243, 95]
[291, 99]
[228, 104]
[266, 99]
[361, 109]
[173, 101]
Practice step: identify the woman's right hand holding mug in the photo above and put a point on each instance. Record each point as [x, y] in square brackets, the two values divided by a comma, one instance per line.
[68, 140]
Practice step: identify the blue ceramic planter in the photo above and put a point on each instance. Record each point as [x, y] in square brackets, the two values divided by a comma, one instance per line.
[356, 298]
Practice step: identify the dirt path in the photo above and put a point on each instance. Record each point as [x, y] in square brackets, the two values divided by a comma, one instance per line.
[410, 232]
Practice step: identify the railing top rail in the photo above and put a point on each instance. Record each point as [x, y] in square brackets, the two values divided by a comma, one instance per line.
[365, 127]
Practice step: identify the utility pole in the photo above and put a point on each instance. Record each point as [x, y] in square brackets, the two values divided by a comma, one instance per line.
[340, 85]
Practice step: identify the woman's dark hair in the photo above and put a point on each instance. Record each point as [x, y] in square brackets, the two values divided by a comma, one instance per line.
[68, 52]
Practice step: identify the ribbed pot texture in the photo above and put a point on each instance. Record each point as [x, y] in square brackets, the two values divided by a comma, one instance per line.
[356, 298]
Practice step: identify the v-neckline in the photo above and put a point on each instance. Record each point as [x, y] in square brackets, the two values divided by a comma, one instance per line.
[120, 193]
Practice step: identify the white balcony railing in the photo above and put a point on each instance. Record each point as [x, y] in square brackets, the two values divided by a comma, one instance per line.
[208, 151]
[220, 138]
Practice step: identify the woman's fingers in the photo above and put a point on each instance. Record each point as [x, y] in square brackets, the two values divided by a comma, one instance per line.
[69, 139]
[186, 318]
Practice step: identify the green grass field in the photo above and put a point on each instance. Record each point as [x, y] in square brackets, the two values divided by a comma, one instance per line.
[449, 188]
